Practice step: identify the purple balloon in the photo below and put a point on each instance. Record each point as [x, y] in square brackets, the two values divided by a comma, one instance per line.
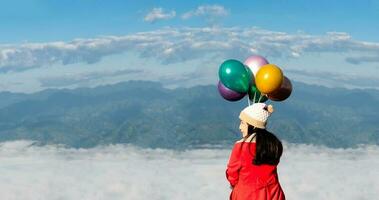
[255, 63]
[229, 94]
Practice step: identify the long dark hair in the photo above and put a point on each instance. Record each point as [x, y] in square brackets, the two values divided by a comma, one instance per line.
[269, 148]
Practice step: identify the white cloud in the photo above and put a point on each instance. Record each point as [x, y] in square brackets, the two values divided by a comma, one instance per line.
[157, 14]
[176, 45]
[330, 79]
[362, 59]
[207, 11]
[65, 80]
[127, 172]
[212, 14]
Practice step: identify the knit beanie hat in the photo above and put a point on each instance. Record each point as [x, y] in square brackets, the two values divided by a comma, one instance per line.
[257, 114]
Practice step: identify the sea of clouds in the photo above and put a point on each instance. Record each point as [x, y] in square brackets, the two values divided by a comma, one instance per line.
[50, 172]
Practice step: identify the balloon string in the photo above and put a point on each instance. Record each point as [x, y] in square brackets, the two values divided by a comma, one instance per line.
[248, 100]
[260, 97]
[254, 96]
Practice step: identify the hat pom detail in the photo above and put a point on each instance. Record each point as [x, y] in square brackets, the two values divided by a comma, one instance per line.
[270, 108]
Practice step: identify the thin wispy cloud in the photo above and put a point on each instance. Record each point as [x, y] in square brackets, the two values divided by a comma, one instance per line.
[124, 172]
[174, 45]
[63, 80]
[362, 59]
[206, 10]
[157, 14]
[211, 13]
[335, 79]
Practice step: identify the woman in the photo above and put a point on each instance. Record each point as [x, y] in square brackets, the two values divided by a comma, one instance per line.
[251, 170]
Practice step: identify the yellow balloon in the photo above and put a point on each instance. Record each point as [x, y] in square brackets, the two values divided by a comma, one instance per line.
[269, 78]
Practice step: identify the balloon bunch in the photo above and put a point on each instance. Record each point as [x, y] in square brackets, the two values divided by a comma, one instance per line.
[255, 77]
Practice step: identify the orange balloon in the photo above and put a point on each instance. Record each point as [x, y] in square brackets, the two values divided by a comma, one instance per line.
[269, 78]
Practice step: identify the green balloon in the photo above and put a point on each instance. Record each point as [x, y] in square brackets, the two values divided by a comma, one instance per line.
[259, 98]
[234, 75]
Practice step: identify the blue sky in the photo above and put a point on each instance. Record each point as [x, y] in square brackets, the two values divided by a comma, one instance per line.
[64, 41]
[42, 20]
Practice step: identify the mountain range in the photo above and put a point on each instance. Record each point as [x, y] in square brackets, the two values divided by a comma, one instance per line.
[147, 114]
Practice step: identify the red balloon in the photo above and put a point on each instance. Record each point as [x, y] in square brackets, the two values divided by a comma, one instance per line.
[283, 92]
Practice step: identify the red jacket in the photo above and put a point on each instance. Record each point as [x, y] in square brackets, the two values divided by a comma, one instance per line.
[251, 182]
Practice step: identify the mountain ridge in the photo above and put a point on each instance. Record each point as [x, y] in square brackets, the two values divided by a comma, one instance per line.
[146, 114]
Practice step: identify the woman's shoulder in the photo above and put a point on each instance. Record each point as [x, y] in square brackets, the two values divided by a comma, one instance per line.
[250, 139]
